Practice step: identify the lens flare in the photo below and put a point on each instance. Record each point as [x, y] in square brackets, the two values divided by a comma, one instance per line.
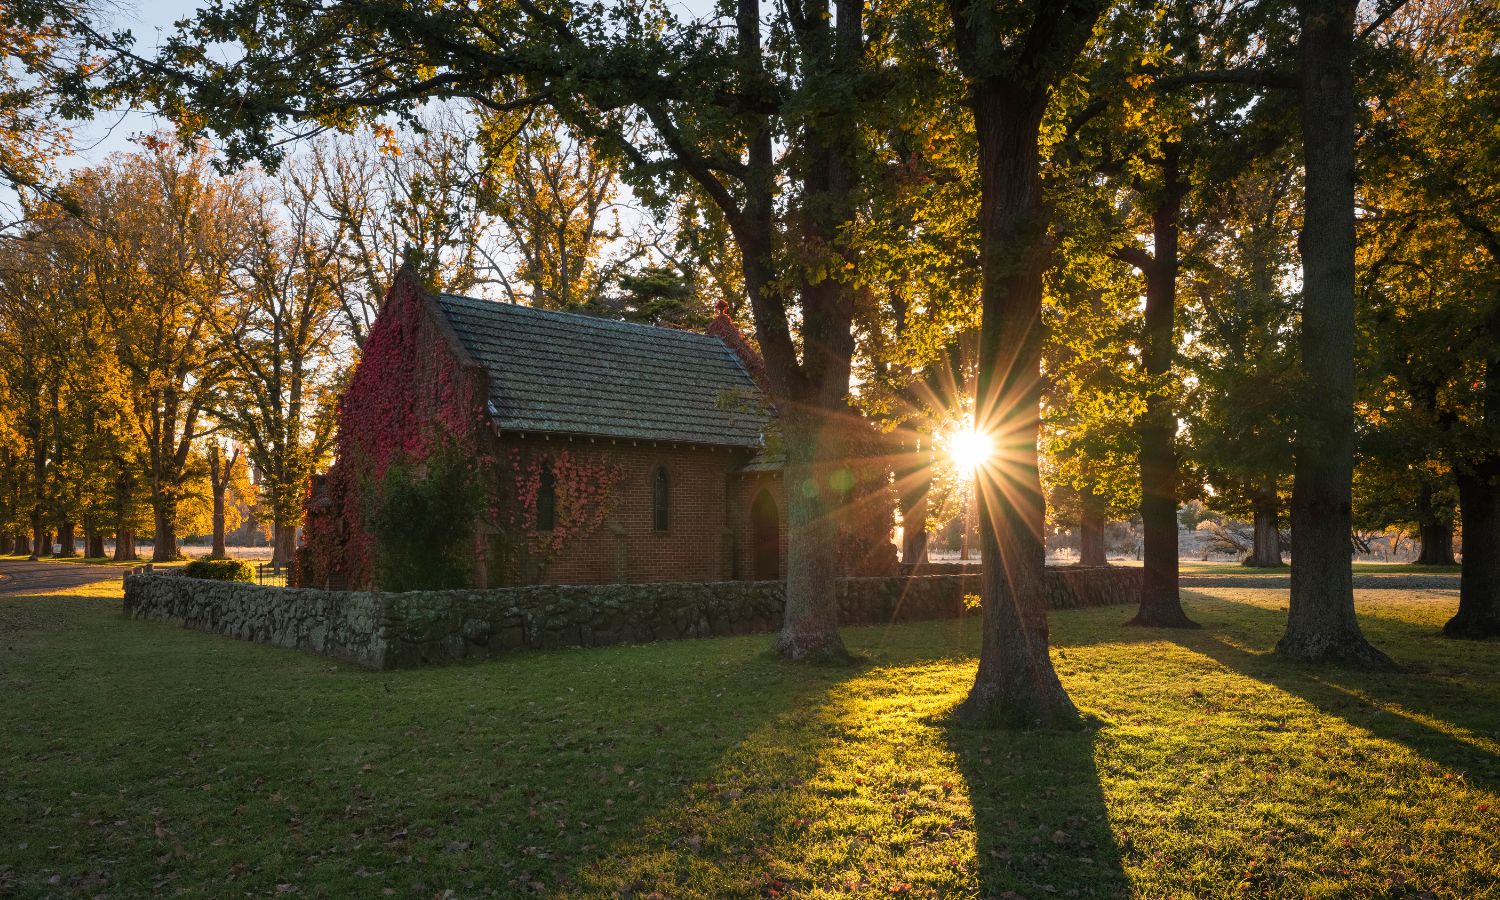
[969, 449]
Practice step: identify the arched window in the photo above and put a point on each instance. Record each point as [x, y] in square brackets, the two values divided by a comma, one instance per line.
[659, 499]
[546, 500]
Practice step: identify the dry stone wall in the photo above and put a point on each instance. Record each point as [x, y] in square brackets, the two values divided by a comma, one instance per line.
[385, 631]
[347, 625]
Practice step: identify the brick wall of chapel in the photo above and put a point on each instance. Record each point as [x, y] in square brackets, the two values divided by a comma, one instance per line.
[707, 521]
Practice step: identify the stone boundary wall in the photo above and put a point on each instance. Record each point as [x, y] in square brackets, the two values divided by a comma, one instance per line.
[387, 631]
[342, 624]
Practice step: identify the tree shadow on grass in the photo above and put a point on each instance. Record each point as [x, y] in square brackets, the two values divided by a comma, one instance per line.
[586, 759]
[1427, 708]
[280, 768]
[1040, 821]
[873, 791]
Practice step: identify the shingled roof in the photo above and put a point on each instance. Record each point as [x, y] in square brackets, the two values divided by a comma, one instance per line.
[565, 373]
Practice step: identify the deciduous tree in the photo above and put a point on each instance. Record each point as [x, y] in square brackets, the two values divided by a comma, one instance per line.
[1321, 623]
[280, 339]
[1012, 58]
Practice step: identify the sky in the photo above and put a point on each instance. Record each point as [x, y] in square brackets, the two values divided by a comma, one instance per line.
[110, 130]
[151, 21]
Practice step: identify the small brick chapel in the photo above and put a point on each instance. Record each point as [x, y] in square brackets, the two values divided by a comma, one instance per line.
[608, 451]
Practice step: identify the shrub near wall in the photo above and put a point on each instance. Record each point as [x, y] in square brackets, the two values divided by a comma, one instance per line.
[384, 631]
[219, 570]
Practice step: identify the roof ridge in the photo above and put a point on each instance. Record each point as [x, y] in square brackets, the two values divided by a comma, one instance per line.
[599, 320]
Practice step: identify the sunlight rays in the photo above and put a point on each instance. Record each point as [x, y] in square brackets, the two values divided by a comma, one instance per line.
[968, 449]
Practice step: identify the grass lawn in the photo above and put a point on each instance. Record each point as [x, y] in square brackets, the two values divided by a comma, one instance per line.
[141, 759]
[1193, 567]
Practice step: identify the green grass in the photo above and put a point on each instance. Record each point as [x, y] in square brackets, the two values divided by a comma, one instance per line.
[141, 759]
[1360, 568]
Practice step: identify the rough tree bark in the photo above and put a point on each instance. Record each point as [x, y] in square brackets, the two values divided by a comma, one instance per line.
[40, 546]
[1161, 603]
[1436, 538]
[170, 442]
[93, 543]
[1009, 84]
[1321, 625]
[916, 486]
[1434, 531]
[124, 496]
[125, 544]
[1091, 531]
[283, 544]
[1266, 550]
[1479, 502]
[1016, 684]
[810, 627]
[164, 532]
[219, 470]
[811, 392]
[66, 545]
[218, 551]
[1478, 614]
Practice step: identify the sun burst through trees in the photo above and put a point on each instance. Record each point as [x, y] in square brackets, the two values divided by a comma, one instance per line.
[969, 448]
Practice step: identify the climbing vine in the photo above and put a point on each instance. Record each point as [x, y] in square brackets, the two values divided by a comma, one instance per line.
[408, 403]
[407, 398]
[583, 492]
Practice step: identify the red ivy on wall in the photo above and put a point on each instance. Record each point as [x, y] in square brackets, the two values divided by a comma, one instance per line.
[408, 398]
[583, 491]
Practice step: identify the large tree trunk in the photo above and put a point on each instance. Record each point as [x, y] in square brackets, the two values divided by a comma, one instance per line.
[810, 386]
[1321, 625]
[915, 485]
[164, 533]
[219, 551]
[1436, 537]
[1091, 531]
[1266, 550]
[1161, 603]
[125, 545]
[93, 543]
[40, 545]
[809, 630]
[1479, 503]
[67, 548]
[1479, 584]
[1016, 684]
[914, 532]
[283, 543]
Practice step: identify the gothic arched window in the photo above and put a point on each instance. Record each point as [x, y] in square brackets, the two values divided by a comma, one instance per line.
[546, 500]
[659, 499]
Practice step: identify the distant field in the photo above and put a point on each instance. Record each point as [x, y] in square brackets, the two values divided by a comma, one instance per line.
[140, 759]
[190, 551]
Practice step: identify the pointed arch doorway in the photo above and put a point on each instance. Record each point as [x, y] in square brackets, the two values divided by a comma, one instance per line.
[765, 537]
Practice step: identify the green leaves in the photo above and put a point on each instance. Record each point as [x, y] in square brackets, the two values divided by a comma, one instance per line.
[422, 518]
